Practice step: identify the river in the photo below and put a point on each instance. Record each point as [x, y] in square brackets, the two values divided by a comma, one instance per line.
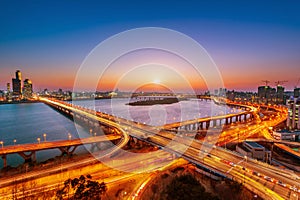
[29, 121]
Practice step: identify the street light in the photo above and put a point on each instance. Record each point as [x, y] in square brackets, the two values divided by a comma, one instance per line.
[69, 136]
[15, 141]
[45, 135]
[39, 140]
[1, 142]
[245, 158]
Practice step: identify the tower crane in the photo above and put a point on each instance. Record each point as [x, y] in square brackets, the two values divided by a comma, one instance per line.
[266, 81]
[280, 82]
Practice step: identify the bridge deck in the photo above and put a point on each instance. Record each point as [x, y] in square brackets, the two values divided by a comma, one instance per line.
[274, 141]
[204, 119]
[55, 144]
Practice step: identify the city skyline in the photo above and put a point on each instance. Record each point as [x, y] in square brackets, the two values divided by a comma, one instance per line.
[248, 42]
[149, 100]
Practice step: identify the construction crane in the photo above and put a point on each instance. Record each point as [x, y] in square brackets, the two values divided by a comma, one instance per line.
[280, 82]
[266, 81]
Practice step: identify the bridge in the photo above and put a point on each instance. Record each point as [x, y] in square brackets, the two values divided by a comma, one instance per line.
[281, 144]
[217, 160]
[28, 151]
[209, 122]
[216, 121]
[290, 143]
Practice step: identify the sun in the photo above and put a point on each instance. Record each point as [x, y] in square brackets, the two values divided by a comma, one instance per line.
[156, 81]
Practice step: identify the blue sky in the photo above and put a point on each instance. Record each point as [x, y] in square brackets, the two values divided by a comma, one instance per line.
[249, 41]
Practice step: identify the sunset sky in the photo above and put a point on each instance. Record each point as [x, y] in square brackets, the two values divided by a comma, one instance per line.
[249, 41]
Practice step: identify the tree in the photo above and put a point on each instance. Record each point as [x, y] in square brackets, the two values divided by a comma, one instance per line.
[83, 188]
[186, 187]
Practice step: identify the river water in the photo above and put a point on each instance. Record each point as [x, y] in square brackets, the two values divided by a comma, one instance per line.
[27, 122]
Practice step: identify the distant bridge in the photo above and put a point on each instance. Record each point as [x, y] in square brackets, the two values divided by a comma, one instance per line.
[215, 121]
[28, 151]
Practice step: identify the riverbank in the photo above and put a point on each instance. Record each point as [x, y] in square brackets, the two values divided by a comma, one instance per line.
[19, 102]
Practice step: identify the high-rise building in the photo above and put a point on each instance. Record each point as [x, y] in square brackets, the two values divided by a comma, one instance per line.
[8, 93]
[293, 120]
[266, 94]
[297, 92]
[17, 85]
[262, 92]
[18, 75]
[280, 94]
[8, 87]
[27, 90]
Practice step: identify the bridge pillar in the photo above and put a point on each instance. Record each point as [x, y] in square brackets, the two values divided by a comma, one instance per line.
[200, 126]
[249, 116]
[193, 127]
[31, 157]
[214, 123]
[4, 160]
[207, 124]
[67, 150]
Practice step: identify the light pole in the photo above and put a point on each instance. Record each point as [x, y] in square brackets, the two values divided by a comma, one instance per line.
[1, 142]
[69, 136]
[39, 140]
[45, 137]
[15, 141]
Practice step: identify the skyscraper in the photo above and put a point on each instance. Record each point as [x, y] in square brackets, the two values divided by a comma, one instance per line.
[262, 92]
[8, 87]
[293, 120]
[27, 90]
[18, 75]
[266, 94]
[280, 94]
[8, 94]
[297, 92]
[17, 85]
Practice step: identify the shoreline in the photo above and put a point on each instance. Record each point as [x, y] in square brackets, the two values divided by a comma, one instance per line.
[18, 102]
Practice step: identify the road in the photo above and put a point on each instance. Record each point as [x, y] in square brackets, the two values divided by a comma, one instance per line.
[222, 161]
[234, 166]
[56, 144]
[51, 179]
